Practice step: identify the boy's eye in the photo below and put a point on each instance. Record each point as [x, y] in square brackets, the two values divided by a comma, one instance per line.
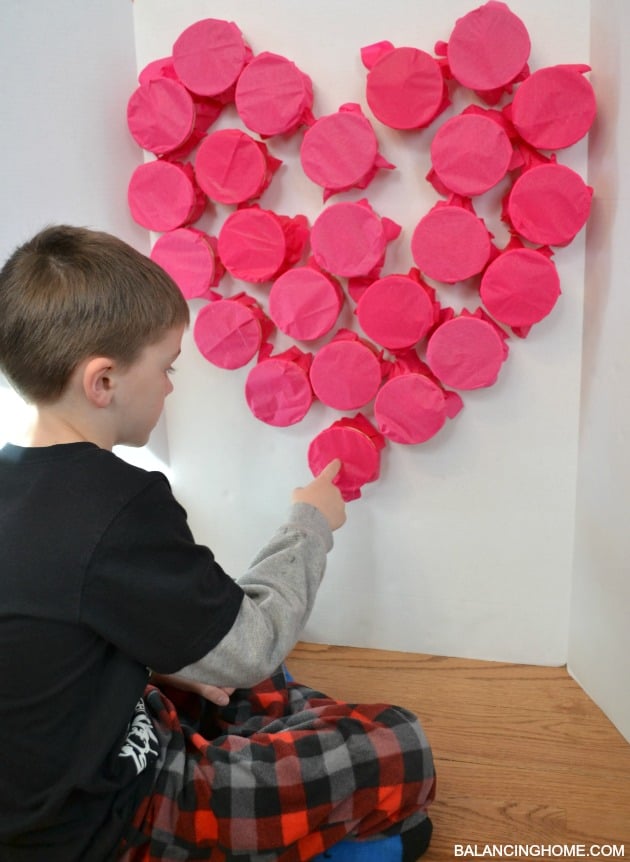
[171, 370]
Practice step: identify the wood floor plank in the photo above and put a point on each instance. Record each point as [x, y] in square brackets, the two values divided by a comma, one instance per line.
[523, 756]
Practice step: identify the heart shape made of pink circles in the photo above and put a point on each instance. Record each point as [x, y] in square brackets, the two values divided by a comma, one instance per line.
[406, 356]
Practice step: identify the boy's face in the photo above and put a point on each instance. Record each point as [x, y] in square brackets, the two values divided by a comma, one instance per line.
[142, 389]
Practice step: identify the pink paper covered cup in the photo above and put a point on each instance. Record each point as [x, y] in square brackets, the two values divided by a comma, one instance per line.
[520, 287]
[190, 258]
[470, 153]
[350, 239]
[340, 151]
[450, 243]
[357, 444]
[163, 195]
[554, 107]
[207, 110]
[548, 204]
[257, 245]
[405, 86]
[278, 390]
[397, 311]
[273, 97]
[232, 168]
[155, 70]
[488, 48]
[209, 56]
[347, 372]
[161, 115]
[305, 303]
[467, 352]
[229, 332]
[410, 408]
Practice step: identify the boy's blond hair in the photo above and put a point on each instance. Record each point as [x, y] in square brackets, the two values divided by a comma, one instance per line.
[71, 293]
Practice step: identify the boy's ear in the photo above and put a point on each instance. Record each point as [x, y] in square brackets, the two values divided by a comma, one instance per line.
[97, 380]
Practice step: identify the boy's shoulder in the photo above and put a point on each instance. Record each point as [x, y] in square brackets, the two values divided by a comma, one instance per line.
[114, 471]
[64, 498]
[81, 464]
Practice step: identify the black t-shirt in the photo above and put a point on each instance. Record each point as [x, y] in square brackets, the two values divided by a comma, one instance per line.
[100, 579]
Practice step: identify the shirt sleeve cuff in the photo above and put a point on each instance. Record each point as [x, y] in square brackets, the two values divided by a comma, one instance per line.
[304, 516]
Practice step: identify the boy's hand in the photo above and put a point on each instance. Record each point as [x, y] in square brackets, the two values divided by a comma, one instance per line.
[219, 695]
[325, 496]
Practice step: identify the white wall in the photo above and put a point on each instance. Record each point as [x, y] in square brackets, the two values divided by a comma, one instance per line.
[599, 649]
[66, 69]
[465, 545]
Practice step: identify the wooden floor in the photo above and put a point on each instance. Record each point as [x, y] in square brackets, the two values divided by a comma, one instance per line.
[523, 756]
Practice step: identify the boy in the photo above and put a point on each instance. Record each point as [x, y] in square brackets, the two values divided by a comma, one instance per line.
[102, 580]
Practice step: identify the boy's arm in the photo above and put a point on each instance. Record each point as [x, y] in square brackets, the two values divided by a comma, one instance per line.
[280, 589]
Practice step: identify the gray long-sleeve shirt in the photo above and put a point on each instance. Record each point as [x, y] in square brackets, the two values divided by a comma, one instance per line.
[280, 588]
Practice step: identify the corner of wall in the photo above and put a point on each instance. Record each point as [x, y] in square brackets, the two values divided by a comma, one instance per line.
[599, 639]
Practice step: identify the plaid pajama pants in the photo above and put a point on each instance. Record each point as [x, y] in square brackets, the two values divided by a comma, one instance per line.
[282, 773]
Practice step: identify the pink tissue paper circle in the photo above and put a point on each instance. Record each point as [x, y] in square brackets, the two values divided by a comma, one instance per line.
[305, 303]
[163, 195]
[470, 153]
[227, 333]
[188, 257]
[230, 166]
[348, 239]
[450, 244]
[549, 204]
[553, 108]
[410, 409]
[360, 458]
[345, 374]
[395, 311]
[278, 392]
[466, 353]
[488, 47]
[252, 244]
[158, 69]
[209, 56]
[161, 115]
[520, 287]
[405, 88]
[339, 150]
[272, 95]
[207, 110]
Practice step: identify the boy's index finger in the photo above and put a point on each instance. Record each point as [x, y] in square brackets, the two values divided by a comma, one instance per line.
[330, 470]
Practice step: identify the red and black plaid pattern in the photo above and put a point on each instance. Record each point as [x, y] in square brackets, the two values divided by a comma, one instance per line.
[282, 773]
